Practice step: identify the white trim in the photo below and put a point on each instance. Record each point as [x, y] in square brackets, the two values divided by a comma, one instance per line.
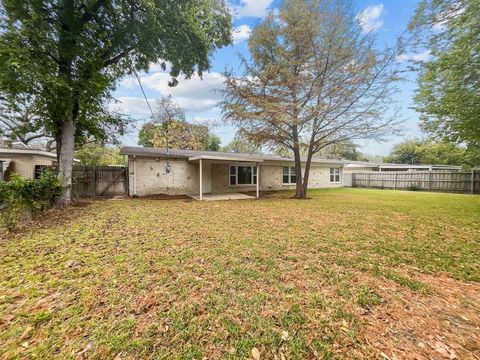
[223, 158]
[254, 174]
[201, 179]
[27, 152]
[289, 175]
[258, 180]
[334, 175]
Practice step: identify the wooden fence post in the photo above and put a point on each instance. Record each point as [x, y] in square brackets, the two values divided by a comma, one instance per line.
[429, 179]
[395, 182]
[94, 181]
[472, 181]
[368, 180]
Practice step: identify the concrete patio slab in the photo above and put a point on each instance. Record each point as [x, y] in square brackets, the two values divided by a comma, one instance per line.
[229, 196]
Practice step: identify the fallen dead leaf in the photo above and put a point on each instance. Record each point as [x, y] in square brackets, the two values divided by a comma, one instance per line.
[255, 353]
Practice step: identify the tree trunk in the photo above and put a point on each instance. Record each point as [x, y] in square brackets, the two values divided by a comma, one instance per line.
[65, 161]
[307, 165]
[299, 194]
[307, 171]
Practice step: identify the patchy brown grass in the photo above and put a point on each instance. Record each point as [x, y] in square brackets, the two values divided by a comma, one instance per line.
[346, 274]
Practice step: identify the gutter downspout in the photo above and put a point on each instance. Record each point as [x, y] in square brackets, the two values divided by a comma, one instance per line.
[134, 176]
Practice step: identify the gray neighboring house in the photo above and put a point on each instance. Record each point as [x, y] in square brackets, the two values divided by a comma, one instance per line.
[200, 174]
[365, 166]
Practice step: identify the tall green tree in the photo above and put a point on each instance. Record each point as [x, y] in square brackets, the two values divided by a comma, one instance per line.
[168, 128]
[240, 144]
[99, 155]
[418, 151]
[70, 53]
[448, 95]
[314, 79]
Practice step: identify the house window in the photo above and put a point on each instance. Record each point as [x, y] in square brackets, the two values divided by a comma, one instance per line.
[335, 175]
[289, 175]
[243, 175]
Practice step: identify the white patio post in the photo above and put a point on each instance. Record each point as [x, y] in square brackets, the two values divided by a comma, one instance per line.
[201, 178]
[258, 180]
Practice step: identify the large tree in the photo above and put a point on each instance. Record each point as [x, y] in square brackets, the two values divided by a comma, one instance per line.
[240, 144]
[19, 122]
[168, 128]
[99, 155]
[418, 151]
[70, 53]
[314, 79]
[448, 95]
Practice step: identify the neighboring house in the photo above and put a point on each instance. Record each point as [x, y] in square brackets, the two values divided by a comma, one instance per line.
[24, 160]
[359, 166]
[158, 171]
[364, 166]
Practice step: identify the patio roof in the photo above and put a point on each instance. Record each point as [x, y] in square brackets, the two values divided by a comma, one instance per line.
[214, 155]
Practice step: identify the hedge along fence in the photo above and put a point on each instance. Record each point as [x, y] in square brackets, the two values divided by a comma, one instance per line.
[443, 181]
[26, 198]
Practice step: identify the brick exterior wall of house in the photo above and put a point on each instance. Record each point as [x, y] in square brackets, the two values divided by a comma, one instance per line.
[24, 165]
[152, 177]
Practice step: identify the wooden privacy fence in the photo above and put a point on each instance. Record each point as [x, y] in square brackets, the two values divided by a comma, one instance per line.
[446, 181]
[91, 181]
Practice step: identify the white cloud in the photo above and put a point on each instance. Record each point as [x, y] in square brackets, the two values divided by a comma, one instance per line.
[131, 105]
[241, 33]
[369, 18]
[194, 95]
[253, 8]
[423, 56]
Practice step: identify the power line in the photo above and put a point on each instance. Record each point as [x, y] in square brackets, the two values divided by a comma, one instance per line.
[143, 91]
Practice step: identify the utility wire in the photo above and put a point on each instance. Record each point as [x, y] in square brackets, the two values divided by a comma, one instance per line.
[146, 100]
[143, 91]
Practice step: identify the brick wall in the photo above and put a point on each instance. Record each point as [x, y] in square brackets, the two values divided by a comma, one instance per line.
[152, 178]
[24, 165]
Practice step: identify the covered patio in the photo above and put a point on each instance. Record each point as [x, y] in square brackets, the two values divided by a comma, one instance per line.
[242, 172]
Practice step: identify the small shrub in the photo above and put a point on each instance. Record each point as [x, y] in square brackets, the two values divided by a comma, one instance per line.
[22, 197]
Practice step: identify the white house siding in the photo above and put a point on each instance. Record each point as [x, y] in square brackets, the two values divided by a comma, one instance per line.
[151, 177]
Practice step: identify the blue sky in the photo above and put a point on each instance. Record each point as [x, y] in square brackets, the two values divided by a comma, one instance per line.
[387, 19]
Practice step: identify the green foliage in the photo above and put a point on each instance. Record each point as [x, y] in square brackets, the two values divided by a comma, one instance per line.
[313, 79]
[98, 155]
[20, 196]
[344, 150]
[241, 144]
[213, 142]
[428, 152]
[448, 95]
[178, 134]
[169, 128]
[367, 297]
[67, 55]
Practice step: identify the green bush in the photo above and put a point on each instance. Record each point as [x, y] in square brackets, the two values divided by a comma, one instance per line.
[21, 197]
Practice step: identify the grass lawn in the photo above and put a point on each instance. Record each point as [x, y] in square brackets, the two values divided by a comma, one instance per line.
[349, 273]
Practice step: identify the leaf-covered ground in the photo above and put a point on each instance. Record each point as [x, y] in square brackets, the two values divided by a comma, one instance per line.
[349, 273]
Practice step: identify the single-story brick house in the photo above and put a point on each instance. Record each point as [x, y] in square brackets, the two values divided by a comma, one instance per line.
[196, 173]
[24, 161]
